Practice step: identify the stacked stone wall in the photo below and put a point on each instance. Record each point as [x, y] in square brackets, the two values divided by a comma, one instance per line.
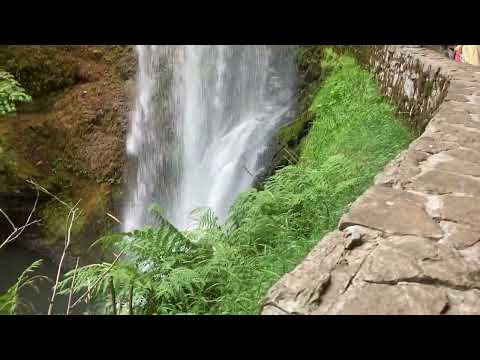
[411, 243]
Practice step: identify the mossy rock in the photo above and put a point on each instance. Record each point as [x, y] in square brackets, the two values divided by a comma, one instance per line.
[125, 61]
[44, 143]
[54, 219]
[121, 57]
[14, 171]
[311, 74]
[288, 141]
[90, 223]
[308, 60]
[40, 69]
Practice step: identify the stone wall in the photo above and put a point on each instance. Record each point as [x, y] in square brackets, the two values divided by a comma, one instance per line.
[415, 86]
[411, 243]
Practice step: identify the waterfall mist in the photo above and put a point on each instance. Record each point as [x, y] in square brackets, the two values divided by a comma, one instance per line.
[203, 119]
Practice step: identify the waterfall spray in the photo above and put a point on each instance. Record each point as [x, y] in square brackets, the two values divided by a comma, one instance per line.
[203, 119]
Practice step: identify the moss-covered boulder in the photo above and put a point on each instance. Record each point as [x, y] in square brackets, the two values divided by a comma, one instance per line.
[40, 69]
[70, 139]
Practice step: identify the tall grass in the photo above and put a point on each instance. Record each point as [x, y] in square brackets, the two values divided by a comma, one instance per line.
[227, 269]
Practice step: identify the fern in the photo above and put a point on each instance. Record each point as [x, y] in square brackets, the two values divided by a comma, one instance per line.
[227, 268]
[11, 301]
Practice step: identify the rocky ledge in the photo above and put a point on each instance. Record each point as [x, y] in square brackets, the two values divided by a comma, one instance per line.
[411, 243]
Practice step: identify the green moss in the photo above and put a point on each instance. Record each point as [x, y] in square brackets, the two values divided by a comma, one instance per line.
[121, 57]
[311, 73]
[13, 170]
[313, 70]
[118, 193]
[40, 69]
[100, 203]
[7, 158]
[292, 131]
[89, 219]
[54, 220]
[35, 147]
[291, 138]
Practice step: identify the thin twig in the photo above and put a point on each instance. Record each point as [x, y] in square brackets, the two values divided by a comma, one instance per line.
[71, 216]
[89, 298]
[130, 303]
[9, 220]
[70, 220]
[114, 218]
[245, 168]
[112, 292]
[49, 193]
[72, 287]
[295, 159]
[100, 278]
[16, 233]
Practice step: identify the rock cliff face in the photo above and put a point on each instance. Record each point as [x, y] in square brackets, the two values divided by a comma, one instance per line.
[70, 139]
[411, 243]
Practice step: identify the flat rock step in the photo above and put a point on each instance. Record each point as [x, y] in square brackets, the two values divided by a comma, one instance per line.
[411, 243]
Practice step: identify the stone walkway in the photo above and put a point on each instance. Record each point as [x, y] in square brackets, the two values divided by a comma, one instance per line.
[411, 243]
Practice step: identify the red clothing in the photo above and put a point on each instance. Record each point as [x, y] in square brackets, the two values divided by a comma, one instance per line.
[457, 56]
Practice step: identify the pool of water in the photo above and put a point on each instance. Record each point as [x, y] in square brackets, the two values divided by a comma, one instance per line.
[13, 261]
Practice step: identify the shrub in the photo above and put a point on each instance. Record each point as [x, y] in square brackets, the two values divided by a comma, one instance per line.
[10, 93]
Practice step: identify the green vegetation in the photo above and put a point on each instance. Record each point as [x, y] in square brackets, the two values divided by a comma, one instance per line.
[41, 69]
[54, 219]
[10, 93]
[311, 73]
[227, 269]
[11, 302]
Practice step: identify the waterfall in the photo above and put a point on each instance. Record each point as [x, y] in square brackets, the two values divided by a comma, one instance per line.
[203, 120]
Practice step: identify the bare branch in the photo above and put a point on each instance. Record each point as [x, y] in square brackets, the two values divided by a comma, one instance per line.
[73, 213]
[9, 220]
[71, 217]
[18, 231]
[71, 287]
[70, 220]
[49, 193]
[112, 293]
[130, 303]
[292, 156]
[89, 297]
[245, 168]
[114, 218]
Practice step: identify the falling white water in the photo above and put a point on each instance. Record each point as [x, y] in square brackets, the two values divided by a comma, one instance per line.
[203, 121]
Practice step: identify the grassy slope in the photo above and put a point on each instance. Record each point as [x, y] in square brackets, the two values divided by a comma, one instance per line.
[354, 134]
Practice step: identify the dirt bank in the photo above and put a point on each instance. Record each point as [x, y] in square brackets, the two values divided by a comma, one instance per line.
[70, 139]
